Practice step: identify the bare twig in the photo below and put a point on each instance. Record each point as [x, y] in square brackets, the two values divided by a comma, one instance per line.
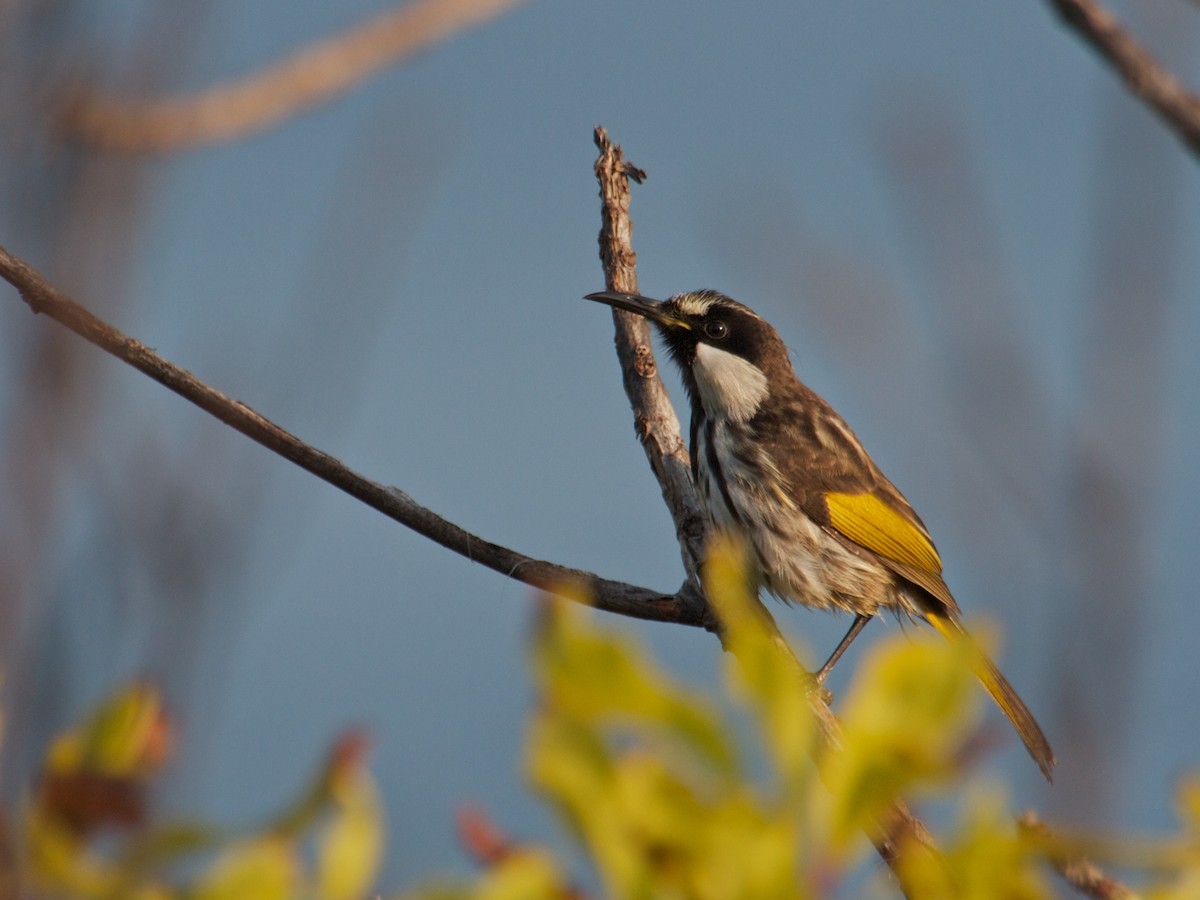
[308, 77]
[684, 608]
[1141, 71]
[658, 427]
[655, 421]
[1079, 871]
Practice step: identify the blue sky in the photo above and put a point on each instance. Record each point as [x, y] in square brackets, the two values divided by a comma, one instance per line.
[396, 276]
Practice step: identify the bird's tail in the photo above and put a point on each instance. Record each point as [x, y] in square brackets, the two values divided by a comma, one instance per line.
[1004, 694]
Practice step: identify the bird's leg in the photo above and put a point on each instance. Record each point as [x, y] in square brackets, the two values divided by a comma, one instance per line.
[859, 622]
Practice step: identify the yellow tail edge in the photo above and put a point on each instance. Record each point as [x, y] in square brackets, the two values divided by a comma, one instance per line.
[1004, 694]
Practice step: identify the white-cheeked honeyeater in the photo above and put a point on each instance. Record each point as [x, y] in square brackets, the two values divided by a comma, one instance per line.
[777, 467]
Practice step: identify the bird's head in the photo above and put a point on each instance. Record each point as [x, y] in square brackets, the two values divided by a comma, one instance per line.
[729, 356]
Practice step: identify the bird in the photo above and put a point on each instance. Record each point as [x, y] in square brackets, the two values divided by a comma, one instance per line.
[777, 467]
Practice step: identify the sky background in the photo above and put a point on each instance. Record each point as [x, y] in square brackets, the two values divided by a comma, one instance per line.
[396, 276]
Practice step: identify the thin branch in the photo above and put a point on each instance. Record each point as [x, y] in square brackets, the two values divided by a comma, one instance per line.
[684, 608]
[654, 417]
[1178, 106]
[308, 77]
[658, 428]
[1079, 871]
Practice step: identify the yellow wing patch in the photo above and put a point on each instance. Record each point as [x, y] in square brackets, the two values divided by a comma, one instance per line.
[871, 522]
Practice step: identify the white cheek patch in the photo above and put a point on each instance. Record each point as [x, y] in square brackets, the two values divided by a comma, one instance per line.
[730, 387]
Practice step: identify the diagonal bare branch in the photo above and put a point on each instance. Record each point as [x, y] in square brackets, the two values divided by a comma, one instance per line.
[1146, 77]
[684, 608]
[310, 76]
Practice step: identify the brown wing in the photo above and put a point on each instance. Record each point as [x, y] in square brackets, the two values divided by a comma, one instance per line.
[835, 482]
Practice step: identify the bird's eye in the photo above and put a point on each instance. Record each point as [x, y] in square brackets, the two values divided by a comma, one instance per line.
[716, 329]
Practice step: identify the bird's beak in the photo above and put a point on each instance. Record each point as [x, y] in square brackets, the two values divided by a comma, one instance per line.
[642, 306]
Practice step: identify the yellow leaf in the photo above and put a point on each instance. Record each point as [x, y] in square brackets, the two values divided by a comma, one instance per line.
[1185, 886]
[986, 859]
[522, 875]
[125, 737]
[911, 707]
[59, 863]
[265, 868]
[351, 846]
[569, 761]
[1188, 802]
[605, 679]
[759, 669]
[747, 851]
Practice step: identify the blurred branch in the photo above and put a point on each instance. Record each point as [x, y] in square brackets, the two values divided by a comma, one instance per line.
[658, 429]
[1080, 872]
[1118, 434]
[1144, 75]
[308, 77]
[685, 608]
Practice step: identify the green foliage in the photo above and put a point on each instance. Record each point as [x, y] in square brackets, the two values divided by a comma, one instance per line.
[645, 773]
[647, 776]
[94, 786]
